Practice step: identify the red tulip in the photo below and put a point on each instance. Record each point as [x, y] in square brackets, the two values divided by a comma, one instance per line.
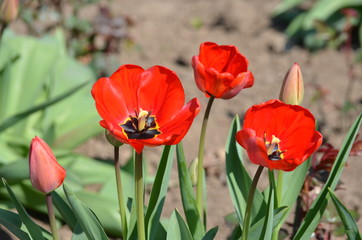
[144, 107]
[278, 135]
[46, 174]
[221, 71]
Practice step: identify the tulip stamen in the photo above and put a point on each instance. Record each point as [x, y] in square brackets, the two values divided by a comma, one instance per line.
[273, 149]
[142, 125]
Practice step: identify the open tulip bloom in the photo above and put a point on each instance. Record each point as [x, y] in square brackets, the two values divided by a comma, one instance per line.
[144, 107]
[278, 135]
[221, 71]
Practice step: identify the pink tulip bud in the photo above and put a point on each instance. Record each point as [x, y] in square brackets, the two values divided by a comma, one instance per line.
[292, 90]
[9, 10]
[46, 174]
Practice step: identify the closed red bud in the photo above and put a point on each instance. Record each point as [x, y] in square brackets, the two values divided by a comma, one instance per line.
[292, 90]
[46, 174]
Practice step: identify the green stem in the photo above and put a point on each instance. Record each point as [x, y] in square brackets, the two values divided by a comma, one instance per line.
[200, 166]
[122, 209]
[279, 189]
[249, 204]
[139, 196]
[52, 222]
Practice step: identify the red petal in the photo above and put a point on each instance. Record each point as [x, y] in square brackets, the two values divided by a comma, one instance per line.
[116, 97]
[254, 145]
[199, 73]
[161, 92]
[243, 80]
[176, 129]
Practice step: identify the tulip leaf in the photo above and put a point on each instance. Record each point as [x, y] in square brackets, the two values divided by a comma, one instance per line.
[348, 221]
[318, 206]
[187, 196]
[291, 184]
[238, 179]
[22, 115]
[257, 228]
[85, 217]
[15, 171]
[34, 230]
[12, 222]
[64, 210]
[267, 230]
[78, 233]
[158, 193]
[177, 228]
[132, 224]
[210, 235]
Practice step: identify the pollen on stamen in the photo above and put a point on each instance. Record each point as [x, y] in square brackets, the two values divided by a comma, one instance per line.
[141, 126]
[273, 150]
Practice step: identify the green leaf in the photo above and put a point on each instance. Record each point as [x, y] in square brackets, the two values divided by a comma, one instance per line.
[15, 171]
[286, 5]
[12, 222]
[238, 179]
[85, 217]
[292, 183]
[323, 9]
[349, 223]
[33, 228]
[22, 115]
[177, 228]
[158, 193]
[210, 235]
[267, 230]
[187, 196]
[315, 213]
[64, 210]
[78, 233]
[257, 228]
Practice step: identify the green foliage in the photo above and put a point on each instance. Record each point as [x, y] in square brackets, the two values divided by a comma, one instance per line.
[315, 212]
[321, 23]
[349, 222]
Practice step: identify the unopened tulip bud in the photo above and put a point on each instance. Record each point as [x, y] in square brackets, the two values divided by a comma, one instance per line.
[46, 174]
[112, 140]
[9, 10]
[193, 171]
[292, 90]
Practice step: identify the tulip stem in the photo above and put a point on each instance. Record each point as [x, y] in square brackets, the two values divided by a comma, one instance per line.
[249, 204]
[200, 166]
[139, 189]
[52, 222]
[122, 209]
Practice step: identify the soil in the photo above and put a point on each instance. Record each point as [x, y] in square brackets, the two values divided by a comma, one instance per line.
[169, 33]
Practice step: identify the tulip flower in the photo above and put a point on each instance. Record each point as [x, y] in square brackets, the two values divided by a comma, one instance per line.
[46, 174]
[9, 10]
[221, 71]
[278, 135]
[292, 90]
[144, 107]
